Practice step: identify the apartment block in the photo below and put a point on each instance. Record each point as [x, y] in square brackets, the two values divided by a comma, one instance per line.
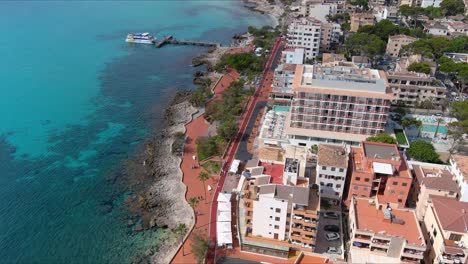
[275, 218]
[361, 19]
[446, 222]
[305, 33]
[337, 103]
[381, 234]
[380, 171]
[459, 168]
[332, 166]
[281, 87]
[432, 180]
[396, 42]
[330, 36]
[292, 56]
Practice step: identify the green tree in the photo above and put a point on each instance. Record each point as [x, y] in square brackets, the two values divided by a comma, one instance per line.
[203, 177]
[197, 98]
[401, 111]
[363, 44]
[242, 61]
[382, 138]
[439, 121]
[430, 48]
[427, 104]
[193, 202]
[460, 110]
[452, 7]
[423, 151]
[420, 67]
[228, 129]
[181, 229]
[314, 149]
[200, 245]
[207, 147]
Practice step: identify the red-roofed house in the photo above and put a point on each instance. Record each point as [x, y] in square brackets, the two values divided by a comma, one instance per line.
[446, 221]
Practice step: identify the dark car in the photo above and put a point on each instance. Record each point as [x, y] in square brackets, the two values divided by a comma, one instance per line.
[332, 228]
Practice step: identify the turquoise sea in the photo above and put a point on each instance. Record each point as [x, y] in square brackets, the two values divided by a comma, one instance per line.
[76, 102]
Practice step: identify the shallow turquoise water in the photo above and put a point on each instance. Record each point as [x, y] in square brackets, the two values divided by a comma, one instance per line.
[76, 101]
[433, 128]
[281, 108]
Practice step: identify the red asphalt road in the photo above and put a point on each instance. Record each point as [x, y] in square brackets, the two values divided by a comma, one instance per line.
[232, 152]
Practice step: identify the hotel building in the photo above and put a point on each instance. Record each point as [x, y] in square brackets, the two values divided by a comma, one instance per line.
[459, 168]
[380, 234]
[337, 103]
[446, 222]
[396, 42]
[380, 171]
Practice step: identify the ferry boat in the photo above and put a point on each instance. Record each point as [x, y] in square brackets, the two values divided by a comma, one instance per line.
[144, 38]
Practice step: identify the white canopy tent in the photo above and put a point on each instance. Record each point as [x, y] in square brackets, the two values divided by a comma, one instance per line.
[240, 184]
[224, 217]
[222, 227]
[234, 166]
[224, 197]
[224, 207]
[224, 238]
[383, 168]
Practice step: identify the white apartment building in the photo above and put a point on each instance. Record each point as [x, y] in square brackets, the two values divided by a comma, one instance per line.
[330, 35]
[446, 223]
[380, 234]
[459, 168]
[434, 3]
[332, 165]
[305, 33]
[283, 78]
[293, 56]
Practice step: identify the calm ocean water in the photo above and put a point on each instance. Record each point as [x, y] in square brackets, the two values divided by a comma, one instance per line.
[76, 101]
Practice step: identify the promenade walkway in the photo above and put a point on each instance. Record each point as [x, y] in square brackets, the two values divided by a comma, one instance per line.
[195, 188]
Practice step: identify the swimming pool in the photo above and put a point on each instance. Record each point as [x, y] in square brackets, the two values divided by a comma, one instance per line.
[432, 128]
[281, 108]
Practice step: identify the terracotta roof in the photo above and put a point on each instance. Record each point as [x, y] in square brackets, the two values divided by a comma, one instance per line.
[332, 155]
[269, 153]
[369, 218]
[400, 36]
[462, 164]
[452, 214]
[360, 59]
[310, 259]
[289, 67]
[436, 178]
[331, 57]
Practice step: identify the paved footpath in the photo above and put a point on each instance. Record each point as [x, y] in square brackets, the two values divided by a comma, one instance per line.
[195, 188]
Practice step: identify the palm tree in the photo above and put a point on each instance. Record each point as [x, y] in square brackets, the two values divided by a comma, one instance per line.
[440, 120]
[181, 230]
[193, 201]
[203, 176]
[445, 104]
[428, 104]
[418, 124]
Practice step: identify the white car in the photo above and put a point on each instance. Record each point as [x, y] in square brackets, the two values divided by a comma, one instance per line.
[332, 236]
[333, 250]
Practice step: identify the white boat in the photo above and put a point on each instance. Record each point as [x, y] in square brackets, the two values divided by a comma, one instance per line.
[144, 38]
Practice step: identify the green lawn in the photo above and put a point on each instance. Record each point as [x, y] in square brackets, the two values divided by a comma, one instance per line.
[212, 167]
[400, 137]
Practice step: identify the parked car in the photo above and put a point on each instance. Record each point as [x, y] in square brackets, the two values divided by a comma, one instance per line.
[332, 228]
[333, 250]
[331, 215]
[332, 236]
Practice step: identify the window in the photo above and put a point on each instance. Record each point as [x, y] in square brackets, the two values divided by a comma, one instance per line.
[321, 184]
[341, 170]
[404, 184]
[277, 218]
[395, 183]
[365, 188]
[329, 184]
[366, 179]
[402, 192]
[358, 178]
[271, 208]
[356, 188]
[400, 200]
[278, 210]
[324, 167]
[434, 233]
[338, 186]
[455, 237]
[271, 217]
[333, 169]
[392, 191]
[276, 226]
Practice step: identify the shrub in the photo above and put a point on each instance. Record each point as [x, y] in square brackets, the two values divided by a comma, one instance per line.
[423, 151]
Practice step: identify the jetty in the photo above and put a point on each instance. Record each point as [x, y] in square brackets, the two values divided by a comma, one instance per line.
[171, 40]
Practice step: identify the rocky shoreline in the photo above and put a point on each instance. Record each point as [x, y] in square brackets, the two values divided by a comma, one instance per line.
[265, 7]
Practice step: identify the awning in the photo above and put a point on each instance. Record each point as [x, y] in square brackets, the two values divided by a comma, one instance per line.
[224, 238]
[223, 217]
[240, 184]
[209, 188]
[224, 197]
[382, 168]
[234, 166]
[223, 227]
[224, 207]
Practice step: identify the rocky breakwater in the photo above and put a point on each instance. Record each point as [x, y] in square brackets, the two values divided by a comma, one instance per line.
[162, 204]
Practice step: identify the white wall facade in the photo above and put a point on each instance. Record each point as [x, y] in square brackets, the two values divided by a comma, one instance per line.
[462, 183]
[266, 221]
[435, 3]
[305, 33]
[331, 181]
[294, 57]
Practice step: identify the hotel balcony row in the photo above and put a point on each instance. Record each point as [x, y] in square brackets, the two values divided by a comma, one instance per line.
[303, 230]
[366, 123]
[343, 99]
[361, 131]
[342, 107]
[339, 114]
[297, 242]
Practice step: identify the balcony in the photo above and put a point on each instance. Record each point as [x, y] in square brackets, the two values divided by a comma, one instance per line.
[445, 258]
[304, 212]
[380, 243]
[362, 238]
[413, 254]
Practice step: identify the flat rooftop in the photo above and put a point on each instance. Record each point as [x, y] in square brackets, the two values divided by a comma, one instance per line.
[275, 171]
[380, 151]
[369, 218]
[332, 155]
[340, 75]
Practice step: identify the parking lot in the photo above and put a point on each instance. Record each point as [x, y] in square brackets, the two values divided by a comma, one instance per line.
[321, 244]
